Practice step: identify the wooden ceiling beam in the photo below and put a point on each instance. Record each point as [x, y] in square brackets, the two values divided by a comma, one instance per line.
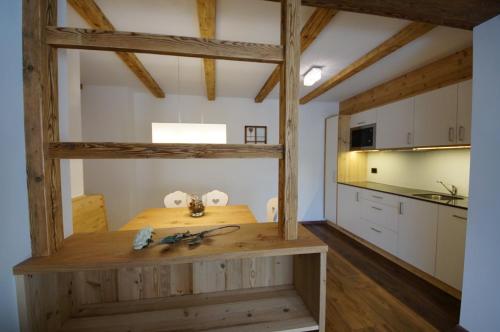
[313, 27]
[400, 39]
[449, 70]
[464, 14]
[206, 19]
[88, 39]
[94, 16]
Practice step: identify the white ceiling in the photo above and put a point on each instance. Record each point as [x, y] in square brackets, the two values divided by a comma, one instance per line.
[346, 38]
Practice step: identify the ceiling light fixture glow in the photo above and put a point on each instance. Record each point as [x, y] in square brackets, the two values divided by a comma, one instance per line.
[312, 76]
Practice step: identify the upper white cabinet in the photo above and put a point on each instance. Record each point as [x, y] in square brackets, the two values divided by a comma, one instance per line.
[464, 112]
[395, 125]
[451, 245]
[436, 117]
[417, 234]
[348, 214]
[364, 118]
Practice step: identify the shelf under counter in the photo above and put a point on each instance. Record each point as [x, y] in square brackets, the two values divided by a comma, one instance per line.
[462, 203]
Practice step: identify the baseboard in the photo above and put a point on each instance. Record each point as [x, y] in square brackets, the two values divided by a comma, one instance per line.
[427, 277]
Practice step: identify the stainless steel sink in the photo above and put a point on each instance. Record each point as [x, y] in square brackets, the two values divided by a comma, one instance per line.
[438, 197]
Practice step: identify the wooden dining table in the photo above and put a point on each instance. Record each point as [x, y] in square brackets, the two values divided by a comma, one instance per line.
[180, 217]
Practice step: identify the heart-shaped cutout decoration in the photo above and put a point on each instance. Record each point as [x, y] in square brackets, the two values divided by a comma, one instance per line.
[177, 202]
[215, 200]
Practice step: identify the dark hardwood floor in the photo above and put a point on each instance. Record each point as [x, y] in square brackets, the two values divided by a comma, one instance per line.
[367, 292]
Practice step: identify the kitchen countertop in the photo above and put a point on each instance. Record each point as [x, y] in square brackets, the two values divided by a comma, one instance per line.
[408, 192]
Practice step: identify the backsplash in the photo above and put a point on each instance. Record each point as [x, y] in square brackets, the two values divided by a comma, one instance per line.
[421, 169]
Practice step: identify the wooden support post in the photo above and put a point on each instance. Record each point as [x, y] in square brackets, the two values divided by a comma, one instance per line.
[289, 118]
[41, 127]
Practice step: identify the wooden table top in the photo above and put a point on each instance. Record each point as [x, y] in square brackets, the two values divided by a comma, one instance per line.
[180, 217]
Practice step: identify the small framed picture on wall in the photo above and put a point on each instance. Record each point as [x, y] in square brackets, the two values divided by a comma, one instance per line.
[255, 134]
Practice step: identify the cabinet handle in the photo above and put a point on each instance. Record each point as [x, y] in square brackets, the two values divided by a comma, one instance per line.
[461, 133]
[451, 134]
[401, 208]
[378, 197]
[357, 196]
[408, 138]
[459, 217]
[375, 230]
[376, 208]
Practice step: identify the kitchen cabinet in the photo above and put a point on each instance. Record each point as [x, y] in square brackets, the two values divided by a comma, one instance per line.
[331, 147]
[417, 234]
[450, 255]
[395, 125]
[436, 117]
[363, 118]
[348, 214]
[464, 112]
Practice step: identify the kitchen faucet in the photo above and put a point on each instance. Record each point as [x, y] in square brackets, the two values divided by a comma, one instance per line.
[453, 191]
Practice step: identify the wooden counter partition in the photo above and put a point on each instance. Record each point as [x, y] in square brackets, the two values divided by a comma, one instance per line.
[250, 278]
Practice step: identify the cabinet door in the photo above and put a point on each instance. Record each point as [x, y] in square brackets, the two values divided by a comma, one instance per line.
[464, 112]
[417, 234]
[436, 117]
[451, 245]
[363, 118]
[395, 125]
[348, 211]
[331, 168]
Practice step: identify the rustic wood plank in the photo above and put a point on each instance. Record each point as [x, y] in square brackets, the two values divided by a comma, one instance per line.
[408, 34]
[75, 150]
[108, 250]
[464, 14]
[449, 70]
[97, 39]
[89, 214]
[95, 17]
[288, 119]
[41, 127]
[206, 20]
[313, 27]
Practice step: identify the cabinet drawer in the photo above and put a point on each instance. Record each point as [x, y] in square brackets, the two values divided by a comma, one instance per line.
[380, 236]
[382, 198]
[380, 214]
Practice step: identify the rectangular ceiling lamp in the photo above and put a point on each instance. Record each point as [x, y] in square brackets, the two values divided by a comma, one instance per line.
[196, 133]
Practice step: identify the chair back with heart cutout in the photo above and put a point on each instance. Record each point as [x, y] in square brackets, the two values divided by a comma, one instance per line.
[176, 199]
[272, 210]
[215, 198]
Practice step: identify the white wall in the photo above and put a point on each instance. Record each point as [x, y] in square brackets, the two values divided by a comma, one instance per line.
[421, 169]
[481, 296]
[120, 114]
[14, 237]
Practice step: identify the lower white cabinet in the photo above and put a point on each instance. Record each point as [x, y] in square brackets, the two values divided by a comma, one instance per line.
[451, 245]
[348, 211]
[417, 234]
[380, 236]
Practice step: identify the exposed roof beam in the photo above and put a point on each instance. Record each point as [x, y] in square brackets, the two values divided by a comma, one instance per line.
[316, 23]
[206, 19]
[94, 16]
[400, 39]
[464, 14]
[136, 42]
[449, 70]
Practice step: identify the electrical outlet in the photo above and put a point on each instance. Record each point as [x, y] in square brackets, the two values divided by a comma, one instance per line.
[374, 170]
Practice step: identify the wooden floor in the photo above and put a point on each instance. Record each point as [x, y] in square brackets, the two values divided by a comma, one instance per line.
[366, 292]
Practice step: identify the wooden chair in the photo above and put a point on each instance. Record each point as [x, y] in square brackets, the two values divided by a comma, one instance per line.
[272, 210]
[89, 214]
[215, 198]
[176, 199]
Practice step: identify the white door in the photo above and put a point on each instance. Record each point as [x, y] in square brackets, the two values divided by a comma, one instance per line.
[451, 245]
[331, 144]
[395, 124]
[464, 112]
[436, 117]
[349, 213]
[417, 234]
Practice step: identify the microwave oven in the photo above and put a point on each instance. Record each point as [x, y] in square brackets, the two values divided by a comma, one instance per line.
[363, 138]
